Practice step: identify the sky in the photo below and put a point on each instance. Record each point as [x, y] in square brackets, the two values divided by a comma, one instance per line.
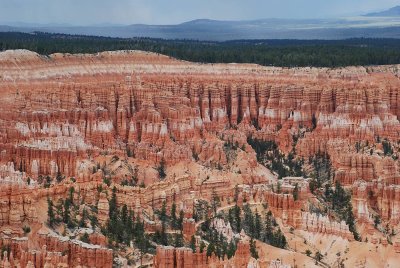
[97, 12]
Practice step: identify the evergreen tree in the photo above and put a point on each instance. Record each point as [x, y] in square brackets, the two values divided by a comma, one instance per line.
[163, 235]
[268, 228]
[318, 256]
[66, 214]
[193, 244]
[234, 218]
[377, 221]
[253, 249]
[210, 249]
[350, 221]
[272, 237]
[59, 177]
[328, 191]
[284, 53]
[200, 210]
[180, 220]
[124, 214]
[313, 185]
[236, 196]
[248, 221]
[113, 203]
[50, 212]
[178, 240]
[296, 192]
[238, 219]
[85, 238]
[202, 246]
[163, 213]
[280, 239]
[161, 169]
[231, 249]
[215, 202]
[314, 121]
[387, 148]
[257, 226]
[142, 243]
[93, 221]
[82, 222]
[174, 220]
[71, 195]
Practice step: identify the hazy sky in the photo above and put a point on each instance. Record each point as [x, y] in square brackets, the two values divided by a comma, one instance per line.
[87, 12]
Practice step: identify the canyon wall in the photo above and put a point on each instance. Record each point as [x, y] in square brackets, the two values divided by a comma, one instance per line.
[78, 120]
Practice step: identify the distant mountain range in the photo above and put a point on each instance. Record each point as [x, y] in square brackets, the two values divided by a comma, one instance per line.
[384, 24]
[393, 12]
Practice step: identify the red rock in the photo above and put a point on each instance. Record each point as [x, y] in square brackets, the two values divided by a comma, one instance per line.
[59, 115]
[189, 228]
[384, 197]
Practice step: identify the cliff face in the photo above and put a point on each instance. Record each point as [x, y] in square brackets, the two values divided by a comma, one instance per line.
[70, 115]
[385, 199]
[75, 105]
[169, 257]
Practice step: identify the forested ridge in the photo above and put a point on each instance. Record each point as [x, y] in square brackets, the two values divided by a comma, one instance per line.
[284, 53]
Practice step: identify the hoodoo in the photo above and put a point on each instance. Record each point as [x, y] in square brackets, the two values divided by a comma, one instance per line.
[134, 158]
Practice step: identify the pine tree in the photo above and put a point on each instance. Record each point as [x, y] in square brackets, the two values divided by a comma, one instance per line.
[50, 212]
[124, 214]
[164, 236]
[210, 249]
[202, 246]
[278, 188]
[350, 221]
[71, 195]
[268, 227]
[313, 185]
[93, 221]
[253, 249]
[85, 238]
[66, 213]
[130, 223]
[161, 169]
[236, 196]
[231, 249]
[318, 256]
[280, 239]
[215, 202]
[174, 220]
[193, 244]
[224, 249]
[377, 221]
[249, 221]
[296, 192]
[82, 222]
[257, 226]
[238, 220]
[142, 243]
[163, 213]
[314, 121]
[113, 203]
[178, 240]
[59, 177]
[180, 220]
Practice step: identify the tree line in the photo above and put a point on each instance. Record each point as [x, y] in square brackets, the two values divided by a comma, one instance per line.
[285, 53]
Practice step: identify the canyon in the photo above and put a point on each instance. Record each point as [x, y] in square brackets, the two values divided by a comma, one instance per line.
[147, 132]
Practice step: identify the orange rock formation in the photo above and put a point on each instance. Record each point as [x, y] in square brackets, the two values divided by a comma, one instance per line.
[68, 116]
